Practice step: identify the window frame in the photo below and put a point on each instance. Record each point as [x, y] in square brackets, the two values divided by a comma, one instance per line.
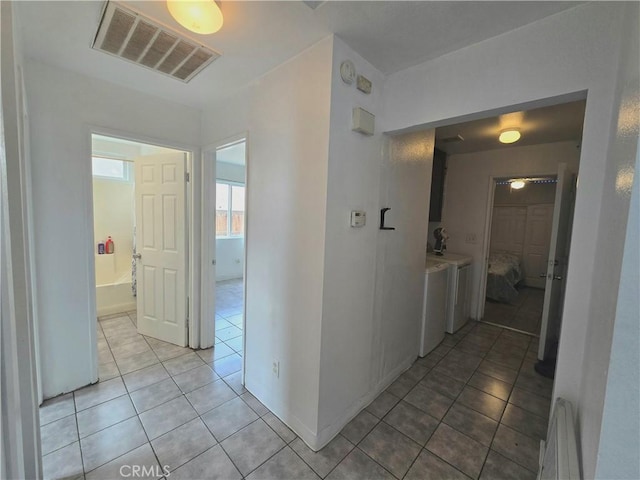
[127, 170]
[231, 184]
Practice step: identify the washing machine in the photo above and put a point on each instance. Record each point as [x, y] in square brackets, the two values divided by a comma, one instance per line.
[459, 301]
[434, 305]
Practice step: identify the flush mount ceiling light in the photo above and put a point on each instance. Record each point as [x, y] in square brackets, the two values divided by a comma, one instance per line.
[517, 184]
[199, 16]
[510, 135]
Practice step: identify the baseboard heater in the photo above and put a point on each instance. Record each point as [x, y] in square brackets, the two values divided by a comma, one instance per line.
[559, 454]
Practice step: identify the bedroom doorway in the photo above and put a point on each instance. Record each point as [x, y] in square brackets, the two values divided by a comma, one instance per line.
[519, 242]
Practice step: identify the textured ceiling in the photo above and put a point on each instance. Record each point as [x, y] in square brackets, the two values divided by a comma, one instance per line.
[258, 36]
[556, 123]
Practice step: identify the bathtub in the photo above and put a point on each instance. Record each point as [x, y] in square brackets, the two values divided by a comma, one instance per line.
[113, 287]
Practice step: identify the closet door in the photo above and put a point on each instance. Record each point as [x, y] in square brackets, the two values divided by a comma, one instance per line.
[536, 245]
[508, 229]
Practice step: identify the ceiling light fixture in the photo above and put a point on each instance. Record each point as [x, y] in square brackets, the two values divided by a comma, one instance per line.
[510, 135]
[517, 184]
[199, 16]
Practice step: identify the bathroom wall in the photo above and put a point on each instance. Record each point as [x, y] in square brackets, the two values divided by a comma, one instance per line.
[113, 213]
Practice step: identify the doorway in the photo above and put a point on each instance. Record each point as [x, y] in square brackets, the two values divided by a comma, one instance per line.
[230, 221]
[141, 251]
[224, 235]
[478, 167]
[519, 242]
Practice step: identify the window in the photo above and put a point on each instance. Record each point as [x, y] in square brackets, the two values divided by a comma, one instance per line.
[229, 209]
[111, 168]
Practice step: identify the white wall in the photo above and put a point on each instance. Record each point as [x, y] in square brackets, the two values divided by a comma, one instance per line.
[229, 251]
[63, 106]
[350, 341]
[286, 113]
[229, 258]
[230, 172]
[569, 52]
[612, 358]
[466, 192]
[113, 212]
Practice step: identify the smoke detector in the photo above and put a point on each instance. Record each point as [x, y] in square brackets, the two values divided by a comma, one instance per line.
[127, 34]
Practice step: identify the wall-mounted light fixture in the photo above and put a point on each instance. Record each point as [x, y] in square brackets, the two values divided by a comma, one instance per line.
[517, 184]
[510, 135]
[199, 16]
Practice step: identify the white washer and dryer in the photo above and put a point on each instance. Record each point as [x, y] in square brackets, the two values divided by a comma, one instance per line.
[458, 298]
[434, 305]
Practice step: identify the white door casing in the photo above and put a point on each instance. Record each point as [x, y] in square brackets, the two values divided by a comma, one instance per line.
[557, 262]
[161, 234]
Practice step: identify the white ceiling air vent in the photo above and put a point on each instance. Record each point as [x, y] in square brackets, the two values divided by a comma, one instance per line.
[127, 34]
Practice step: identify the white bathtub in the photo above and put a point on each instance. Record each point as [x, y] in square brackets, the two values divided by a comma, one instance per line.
[114, 298]
[113, 284]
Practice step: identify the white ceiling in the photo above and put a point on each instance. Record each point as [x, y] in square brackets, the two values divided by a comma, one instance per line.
[258, 36]
[556, 123]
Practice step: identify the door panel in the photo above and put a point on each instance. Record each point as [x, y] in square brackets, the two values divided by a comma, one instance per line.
[557, 263]
[161, 244]
[536, 245]
[508, 229]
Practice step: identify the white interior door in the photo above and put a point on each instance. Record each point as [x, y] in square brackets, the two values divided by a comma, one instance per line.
[557, 263]
[161, 247]
[535, 254]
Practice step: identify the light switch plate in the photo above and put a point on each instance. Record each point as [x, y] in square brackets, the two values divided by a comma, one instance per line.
[358, 218]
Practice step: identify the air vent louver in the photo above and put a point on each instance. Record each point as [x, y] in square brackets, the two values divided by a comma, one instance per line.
[127, 34]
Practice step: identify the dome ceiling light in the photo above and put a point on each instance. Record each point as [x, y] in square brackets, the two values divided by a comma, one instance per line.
[510, 135]
[199, 16]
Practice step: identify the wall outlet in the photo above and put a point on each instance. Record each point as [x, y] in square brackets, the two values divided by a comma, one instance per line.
[276, 368]
[471, 238]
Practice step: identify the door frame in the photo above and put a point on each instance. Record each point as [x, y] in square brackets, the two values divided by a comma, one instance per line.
[192, 241]
[486, 240]
[207, 293]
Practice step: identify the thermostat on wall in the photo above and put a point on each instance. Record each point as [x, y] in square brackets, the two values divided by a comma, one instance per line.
[358, 218]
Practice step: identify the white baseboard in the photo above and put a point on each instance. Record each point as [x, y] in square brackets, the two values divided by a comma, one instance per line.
[325, 435]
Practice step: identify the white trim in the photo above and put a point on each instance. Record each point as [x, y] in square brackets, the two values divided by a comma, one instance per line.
[20, 449]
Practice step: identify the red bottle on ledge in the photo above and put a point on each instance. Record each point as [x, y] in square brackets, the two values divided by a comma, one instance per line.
[108, 246]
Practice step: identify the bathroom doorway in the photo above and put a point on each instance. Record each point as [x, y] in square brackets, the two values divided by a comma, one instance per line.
[141, 255]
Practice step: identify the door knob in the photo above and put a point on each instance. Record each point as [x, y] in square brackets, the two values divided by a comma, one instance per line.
[137, 256]
[557, 277]
[543, 275]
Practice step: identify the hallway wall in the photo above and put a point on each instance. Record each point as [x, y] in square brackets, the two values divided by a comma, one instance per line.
[63, 107]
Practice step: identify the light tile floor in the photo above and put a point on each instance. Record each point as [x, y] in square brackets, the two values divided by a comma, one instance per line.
[524, 314]
[473, 408]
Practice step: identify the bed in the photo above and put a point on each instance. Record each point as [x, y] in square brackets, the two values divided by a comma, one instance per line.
[503, 275]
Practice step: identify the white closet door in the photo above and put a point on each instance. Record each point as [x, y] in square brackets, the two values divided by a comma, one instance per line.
[508, 229]
[536, 245]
